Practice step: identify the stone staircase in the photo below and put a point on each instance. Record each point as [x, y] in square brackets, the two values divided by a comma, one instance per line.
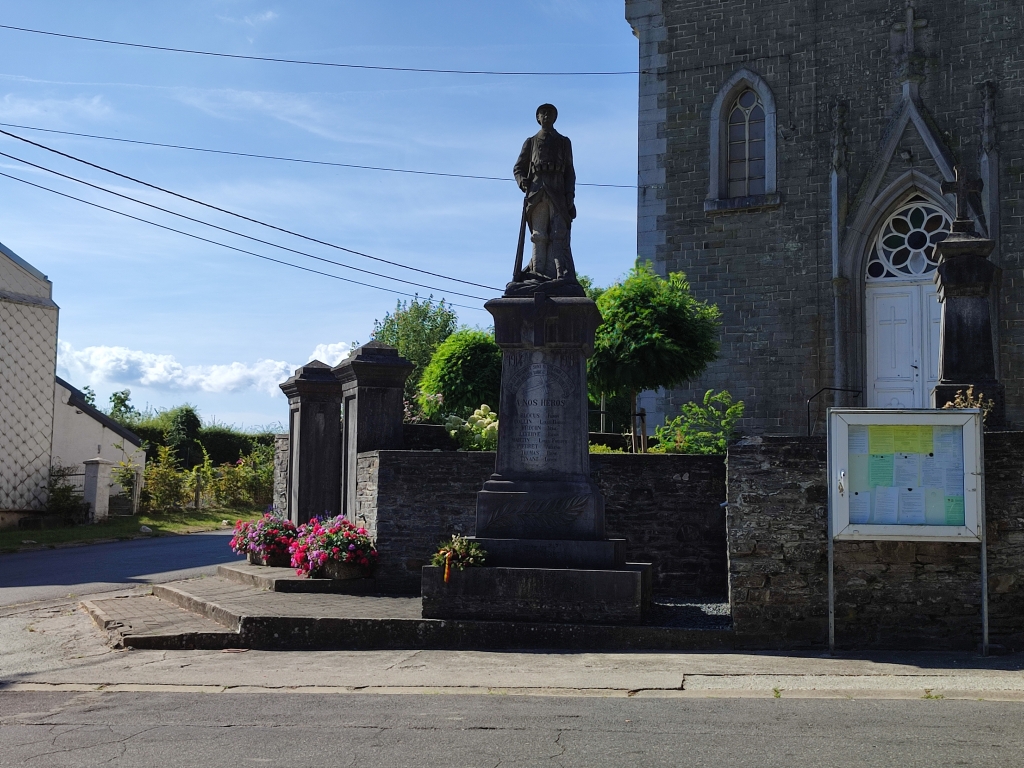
[248, 606]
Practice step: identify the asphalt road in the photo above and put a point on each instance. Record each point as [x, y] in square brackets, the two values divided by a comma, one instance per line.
[297, 730]
[55, 573]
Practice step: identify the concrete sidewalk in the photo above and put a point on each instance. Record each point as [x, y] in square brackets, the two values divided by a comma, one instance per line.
[57, 647]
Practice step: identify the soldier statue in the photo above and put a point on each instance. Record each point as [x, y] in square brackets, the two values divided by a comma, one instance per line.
[545, 173]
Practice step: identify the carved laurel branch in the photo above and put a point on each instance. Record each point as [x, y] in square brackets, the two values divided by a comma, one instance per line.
[539, 513]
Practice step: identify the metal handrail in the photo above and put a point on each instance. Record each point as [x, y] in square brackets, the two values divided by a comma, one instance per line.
[825, 389]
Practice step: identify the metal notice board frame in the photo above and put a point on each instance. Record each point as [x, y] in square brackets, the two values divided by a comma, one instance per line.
[906, 475]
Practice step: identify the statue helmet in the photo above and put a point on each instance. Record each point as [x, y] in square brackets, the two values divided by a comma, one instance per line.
[548, 106]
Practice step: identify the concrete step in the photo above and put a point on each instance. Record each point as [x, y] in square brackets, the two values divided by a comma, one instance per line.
[295, 621]
[286, 580]
[147, 622]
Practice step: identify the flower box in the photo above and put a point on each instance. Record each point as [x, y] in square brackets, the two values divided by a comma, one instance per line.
[332, 569]
[333, 547]
[274, 560]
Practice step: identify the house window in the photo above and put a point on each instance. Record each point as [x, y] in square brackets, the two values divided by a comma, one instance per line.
[746, 146]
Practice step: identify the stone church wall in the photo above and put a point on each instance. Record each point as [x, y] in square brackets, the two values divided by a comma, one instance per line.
[668, 508]
[888, 594]
[770, 269]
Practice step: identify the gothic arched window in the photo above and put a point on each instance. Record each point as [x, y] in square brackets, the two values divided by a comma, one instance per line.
[905, 246]
[742, 132]
[746, 146]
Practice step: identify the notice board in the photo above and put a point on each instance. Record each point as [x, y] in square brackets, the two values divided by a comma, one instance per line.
[910, 475]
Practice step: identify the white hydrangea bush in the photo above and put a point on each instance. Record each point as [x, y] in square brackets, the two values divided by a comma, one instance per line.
[477, 433]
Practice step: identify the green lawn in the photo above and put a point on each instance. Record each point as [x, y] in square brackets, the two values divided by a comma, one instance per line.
[162, 524]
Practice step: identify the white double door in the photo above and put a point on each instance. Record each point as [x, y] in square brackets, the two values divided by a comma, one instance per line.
[903, 322]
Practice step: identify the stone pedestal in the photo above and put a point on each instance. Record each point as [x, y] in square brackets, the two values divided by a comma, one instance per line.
[314, 429]
[372, 378]
[541, 486]
[966, 356]
[96, 491]
[540, 517]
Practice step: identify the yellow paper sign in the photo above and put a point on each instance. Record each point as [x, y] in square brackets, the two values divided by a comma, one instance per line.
[881, 439]
[925, 444]
[905, 439]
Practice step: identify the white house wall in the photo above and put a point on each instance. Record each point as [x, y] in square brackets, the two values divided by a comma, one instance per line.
[28, 359]
[77, 436]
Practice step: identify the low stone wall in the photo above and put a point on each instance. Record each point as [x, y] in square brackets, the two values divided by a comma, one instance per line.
[668, 508]
[412, 500]
[888, 594]
[281, 473]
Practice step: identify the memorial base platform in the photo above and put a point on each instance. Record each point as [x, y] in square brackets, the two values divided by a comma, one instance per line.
[567, 595]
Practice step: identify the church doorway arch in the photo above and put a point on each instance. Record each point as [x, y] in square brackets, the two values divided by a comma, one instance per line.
[901, 307]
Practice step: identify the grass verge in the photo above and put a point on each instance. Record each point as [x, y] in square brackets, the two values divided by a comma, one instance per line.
[161, 523]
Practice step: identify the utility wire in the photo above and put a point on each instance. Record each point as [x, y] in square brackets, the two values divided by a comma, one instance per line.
[232, 231]
[244, 218]
[291, 159]
[308, 63]
[223, 245]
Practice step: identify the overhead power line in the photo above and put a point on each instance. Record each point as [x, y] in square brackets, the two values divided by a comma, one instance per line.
[223, 245]
[290, 159]
[231, 231]
[239, 215]
[274, 60]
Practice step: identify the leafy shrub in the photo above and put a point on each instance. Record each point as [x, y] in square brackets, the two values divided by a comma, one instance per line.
[477, 433]
[225, 445]
[598, 448]
[63, 498]
[465, 370]
[165, 482]
[182, 436]
[704, 429]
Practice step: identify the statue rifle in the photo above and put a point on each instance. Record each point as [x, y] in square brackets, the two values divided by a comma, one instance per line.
[517, 274]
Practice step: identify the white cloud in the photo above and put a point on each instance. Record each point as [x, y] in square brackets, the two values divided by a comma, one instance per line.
[252, 20]
[332, 354]
[17, 109]
[120, 365]
[259, 18]
[293, 109]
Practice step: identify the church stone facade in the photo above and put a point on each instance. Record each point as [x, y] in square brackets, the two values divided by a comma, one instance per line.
[790, 163]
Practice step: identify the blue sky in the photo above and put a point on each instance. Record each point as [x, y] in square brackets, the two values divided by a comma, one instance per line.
[178, 320]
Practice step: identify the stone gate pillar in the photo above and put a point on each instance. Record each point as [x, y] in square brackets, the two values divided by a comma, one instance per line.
[314, 430]
[97, 487]
[372, 379]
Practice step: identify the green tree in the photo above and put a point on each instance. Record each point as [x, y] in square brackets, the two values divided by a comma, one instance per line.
[416, 328]
[465, 372]
[182, 436]
[654, 334]
[121, 409]
[90, 395]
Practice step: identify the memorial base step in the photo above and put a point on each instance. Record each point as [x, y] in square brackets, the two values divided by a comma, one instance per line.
[554, 553]
[566, 595]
